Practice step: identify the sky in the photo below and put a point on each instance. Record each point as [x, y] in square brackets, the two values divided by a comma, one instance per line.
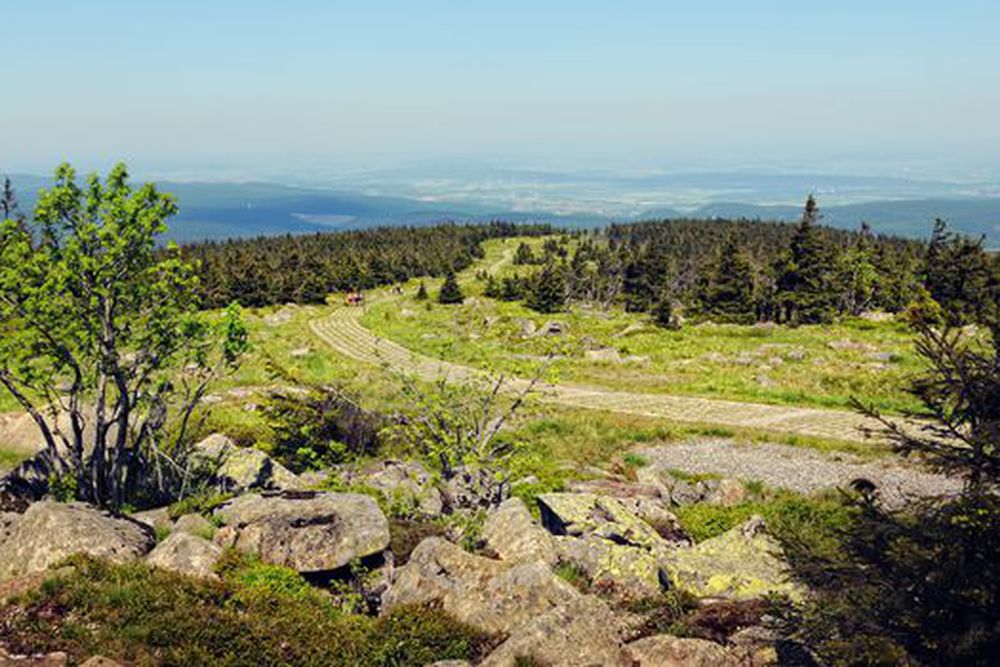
[178, 84]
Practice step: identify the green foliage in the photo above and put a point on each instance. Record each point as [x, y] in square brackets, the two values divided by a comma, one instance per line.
[422, 292]
[450, 292]
[728, 292]
[961, 277]
[547, 290]
[94, 314]
[257, 615]
[318, 428]
[909, 587]
[663, 313]
[805, 279]
[63, 488]
[201, 502]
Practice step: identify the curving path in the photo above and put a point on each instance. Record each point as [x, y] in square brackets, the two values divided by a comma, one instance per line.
[344, 333]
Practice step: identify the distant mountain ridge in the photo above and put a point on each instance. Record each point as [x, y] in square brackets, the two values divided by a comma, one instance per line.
[239, 210]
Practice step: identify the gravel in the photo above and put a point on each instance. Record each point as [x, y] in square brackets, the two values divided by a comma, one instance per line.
[801, 469]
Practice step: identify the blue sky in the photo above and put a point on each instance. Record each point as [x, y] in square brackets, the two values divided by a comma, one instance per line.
[628, 82]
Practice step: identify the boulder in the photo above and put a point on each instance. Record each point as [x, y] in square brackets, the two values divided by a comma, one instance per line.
[306, 531]
[54, 659]
[669, 651]
[493, 596]
[578, 514]
[727, 492]
[625, 572]
[186, 554]
[605, 355]
[742, 563]
[49, 532]
[514, 536]
[195, 524]
[236, 469]
[157, 519]
[407, 483]
[583, 631]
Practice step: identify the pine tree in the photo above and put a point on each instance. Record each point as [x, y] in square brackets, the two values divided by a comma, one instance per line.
[805, 283]
[960, 276]
[729, 291]
[547, 293]
[663, 312]
[492, 288]
[422, 292]
[857, 277]
[523, 254]
[450, 291]
[511, 289]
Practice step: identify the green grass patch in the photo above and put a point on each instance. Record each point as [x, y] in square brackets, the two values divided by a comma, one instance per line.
[257, 615]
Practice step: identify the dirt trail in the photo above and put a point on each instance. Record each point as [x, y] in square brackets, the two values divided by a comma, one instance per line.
[344, 332]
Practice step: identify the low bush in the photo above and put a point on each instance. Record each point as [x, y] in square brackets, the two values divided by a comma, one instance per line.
[256, 615]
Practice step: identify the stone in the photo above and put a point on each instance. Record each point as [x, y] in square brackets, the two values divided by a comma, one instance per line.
[186, 554]
[100, 661]
[626, 572]
[743, 563]
[578, 514]
[669, 651]
[49, 532]
[407, 483]
[514, 536]
[727, 493]
[492, 596]
[195, 524]
[308, 531]
[54, 659]
[235, 469]
[581, 632]
[157, 519]
[551, 328]
[605, 355]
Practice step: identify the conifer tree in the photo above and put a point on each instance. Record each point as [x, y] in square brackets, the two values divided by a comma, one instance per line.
[805, 283]
[663, 312]
[422, 292]
[523, 254]
[450, 292]
[729, 290]
[547, 293]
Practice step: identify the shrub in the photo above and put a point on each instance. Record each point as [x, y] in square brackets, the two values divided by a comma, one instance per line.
[257, 615]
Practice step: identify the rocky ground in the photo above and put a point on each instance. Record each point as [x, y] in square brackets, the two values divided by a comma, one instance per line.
[581, 584]
[798, 468]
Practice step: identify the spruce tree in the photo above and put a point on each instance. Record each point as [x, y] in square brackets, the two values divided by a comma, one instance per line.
[805, 283]
[663, 312]
[422, 292]
[547, 293]
[450, 291]
[523, 255]
[729, 291]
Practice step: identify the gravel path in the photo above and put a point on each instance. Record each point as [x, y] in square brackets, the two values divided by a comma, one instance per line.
[344, 332]
[800, 469]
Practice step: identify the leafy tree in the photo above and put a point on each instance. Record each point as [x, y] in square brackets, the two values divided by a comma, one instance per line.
[547, 290]
[450, 291]
[805, 289]
[102, 337]
[729, 292]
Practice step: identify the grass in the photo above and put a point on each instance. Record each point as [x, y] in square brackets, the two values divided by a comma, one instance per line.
[256, 615]
[9, 459]
[821, 366]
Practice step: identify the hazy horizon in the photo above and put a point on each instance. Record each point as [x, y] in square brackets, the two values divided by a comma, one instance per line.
[307, 89]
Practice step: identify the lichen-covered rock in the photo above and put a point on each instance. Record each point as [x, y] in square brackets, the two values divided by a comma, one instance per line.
[233, 468]
[306, 531]
[579, 514]
[742, 563]
[514, 536]
[157, 519]
[195, 524]
[49, 532]
[628, 572]
[186, 554]
[584, 631]
[406, 484]
[669, 651]
[493, 596]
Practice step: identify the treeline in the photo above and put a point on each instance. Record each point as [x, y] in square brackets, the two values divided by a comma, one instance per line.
[305, 269]
[747, 271]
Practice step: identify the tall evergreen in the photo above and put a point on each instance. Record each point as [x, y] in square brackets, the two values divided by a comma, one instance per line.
[422, 291]
[547, 293]
[728, 293]
[960, 276]
[857, 278]
[805, 284]
[450, 291]
[663, 312]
